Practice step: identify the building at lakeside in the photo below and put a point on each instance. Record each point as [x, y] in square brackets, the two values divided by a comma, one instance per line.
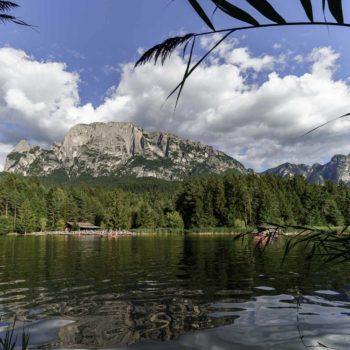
[81, 226]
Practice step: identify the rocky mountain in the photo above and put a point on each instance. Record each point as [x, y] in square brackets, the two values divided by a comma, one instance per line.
[105, 149]
[338, 169]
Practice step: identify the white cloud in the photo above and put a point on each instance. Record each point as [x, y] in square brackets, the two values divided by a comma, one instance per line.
[34, 97]
[110, 69]
[258, 124]
[299, 59]
[241, 57]
[5, 149]
[324, 62]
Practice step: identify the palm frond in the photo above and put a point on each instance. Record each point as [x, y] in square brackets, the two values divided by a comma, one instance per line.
[8, 18]
[201, 13]
[326, 123]
[164, 50]
[181, 84]
[307, 5]
[265, 8]
[235, 12]
[336, 9]
[186, 72]
[7, 5]
[324, 9]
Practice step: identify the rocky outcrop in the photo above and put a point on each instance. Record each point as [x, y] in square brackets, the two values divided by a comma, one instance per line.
[105, 149]
[338, 169]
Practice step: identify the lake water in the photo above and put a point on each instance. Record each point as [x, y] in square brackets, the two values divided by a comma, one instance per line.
[170, 292]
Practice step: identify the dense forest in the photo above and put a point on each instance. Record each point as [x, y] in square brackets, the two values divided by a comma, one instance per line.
[228, 201]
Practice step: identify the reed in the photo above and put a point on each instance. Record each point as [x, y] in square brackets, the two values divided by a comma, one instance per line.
[9, 340]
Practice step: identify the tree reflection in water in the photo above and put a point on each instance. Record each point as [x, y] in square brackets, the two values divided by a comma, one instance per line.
[107, 294]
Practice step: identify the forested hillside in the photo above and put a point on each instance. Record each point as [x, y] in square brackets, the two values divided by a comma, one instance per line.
[231, 200]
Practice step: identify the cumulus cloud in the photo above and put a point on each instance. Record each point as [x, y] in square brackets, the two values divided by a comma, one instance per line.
[230, 53]
[34, 97]
[258, 124]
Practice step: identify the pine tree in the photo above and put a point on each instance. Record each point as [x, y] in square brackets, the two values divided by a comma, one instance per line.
[117, 216]
[26, 220]
[6, 225]
[53, 209]
[146, 217]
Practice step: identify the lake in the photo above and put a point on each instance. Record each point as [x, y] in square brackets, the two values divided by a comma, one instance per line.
[170, 292]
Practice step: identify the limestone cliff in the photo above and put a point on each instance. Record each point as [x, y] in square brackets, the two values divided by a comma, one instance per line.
[104, 149]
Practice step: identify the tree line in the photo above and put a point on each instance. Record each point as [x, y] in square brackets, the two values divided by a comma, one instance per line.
[249, 200]
[228, 201]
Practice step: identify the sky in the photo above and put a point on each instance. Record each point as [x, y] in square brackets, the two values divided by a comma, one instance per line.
[252, 98]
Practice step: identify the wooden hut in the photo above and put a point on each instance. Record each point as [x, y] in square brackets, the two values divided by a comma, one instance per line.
[81, 226]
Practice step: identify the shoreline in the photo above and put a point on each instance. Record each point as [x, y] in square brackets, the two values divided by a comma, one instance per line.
[76, 233]
[125, 233]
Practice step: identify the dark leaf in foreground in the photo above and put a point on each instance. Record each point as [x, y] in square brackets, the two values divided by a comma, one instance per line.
[324, 9]
[307, 5]
[265, 8]
[164, 50]
[326, 123]
[7, 5]
[8, 18]
[335, 7]
[198, 8]
[199, 62]
[235, 12]
[186, 72]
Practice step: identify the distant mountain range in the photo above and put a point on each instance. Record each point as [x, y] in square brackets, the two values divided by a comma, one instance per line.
[338, 169]
[120, 149]
[124, 149]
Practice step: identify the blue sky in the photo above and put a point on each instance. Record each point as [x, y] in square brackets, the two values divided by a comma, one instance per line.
[90, 35]
[96, 40]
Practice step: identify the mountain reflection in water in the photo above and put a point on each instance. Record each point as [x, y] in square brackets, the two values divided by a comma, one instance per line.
[170, 292]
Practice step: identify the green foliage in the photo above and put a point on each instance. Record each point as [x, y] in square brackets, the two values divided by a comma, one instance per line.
[146, 217]
[6, 225]
[174, 220]
[229, 201]
[151, 164]
[15, 156]
[117, 214]
[27, 220]
[125, 183]
[248, 200]
[239, 223]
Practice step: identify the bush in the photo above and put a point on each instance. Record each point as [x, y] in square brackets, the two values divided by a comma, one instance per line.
[174, 220]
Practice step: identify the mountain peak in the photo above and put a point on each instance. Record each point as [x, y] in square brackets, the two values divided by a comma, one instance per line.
[119, 148]
[336, 170]
[22, 146]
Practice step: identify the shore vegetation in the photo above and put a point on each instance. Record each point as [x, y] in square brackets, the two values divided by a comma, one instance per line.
[226, 203]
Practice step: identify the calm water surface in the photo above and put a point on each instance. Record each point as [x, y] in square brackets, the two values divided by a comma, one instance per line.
[170, 292]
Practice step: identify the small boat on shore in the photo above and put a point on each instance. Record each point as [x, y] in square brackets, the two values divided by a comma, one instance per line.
[267, 233]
